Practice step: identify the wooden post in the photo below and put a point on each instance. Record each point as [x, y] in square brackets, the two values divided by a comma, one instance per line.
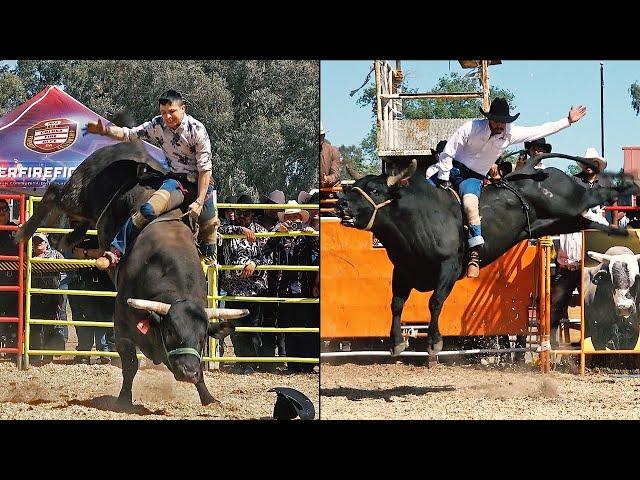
[547, 276]
[390, 116]
[398, 76]
[582, 357]
[545, 244]
[484, 80]
[378, 104]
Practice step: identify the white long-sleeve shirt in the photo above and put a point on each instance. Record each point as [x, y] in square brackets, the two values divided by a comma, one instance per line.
[473, 146]
[570, 251]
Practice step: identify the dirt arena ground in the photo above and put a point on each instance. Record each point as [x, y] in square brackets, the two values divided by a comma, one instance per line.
[400, 391]
[88, 392]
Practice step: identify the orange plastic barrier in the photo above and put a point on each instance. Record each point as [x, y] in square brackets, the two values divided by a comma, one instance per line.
[356, 291]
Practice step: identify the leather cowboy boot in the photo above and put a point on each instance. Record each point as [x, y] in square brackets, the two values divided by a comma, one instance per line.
[473, 267]
[208, 239]
[160, 202]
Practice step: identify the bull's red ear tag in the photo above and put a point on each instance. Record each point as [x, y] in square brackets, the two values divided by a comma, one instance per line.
[404, 182]
[143, 326]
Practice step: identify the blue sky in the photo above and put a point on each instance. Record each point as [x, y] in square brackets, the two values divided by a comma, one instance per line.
[544, 91]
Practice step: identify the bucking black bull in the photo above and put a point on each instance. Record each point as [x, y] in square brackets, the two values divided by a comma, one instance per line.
[421, 226]
[160, 306]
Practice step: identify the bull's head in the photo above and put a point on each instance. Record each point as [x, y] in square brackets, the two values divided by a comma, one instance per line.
[183, 328]
[623, 273]
[360, 204]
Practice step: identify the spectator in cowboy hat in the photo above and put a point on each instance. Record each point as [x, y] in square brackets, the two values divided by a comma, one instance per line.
[305, 197]
[270, 310]
[290, 217]
[249, 282]
[45, 337]
[532, 148]
[269, 217]
[312, 197]
[228, 215]
[439, 148]
[330, 161]
[568, 262]
[432, 159]
[299, 250]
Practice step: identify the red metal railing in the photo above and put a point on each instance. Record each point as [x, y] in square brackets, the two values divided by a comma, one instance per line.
[19, 288]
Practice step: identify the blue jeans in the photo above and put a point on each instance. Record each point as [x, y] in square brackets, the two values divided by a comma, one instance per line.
[128, 232]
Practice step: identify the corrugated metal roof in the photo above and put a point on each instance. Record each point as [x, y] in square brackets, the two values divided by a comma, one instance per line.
[410, 135]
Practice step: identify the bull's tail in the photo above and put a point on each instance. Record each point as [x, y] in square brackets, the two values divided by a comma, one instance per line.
[48, 206]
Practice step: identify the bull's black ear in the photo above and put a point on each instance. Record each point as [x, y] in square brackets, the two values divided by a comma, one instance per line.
[600, 276]
[220, 330]
[155, 319]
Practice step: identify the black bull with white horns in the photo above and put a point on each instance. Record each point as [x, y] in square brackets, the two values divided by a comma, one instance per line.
[162, 298]
[421, 226]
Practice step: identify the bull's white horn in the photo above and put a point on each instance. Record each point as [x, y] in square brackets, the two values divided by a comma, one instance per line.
[406, 173]
[600, 257]
[158, 307]
[226, 313]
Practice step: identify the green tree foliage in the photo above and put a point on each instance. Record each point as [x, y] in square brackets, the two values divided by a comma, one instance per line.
[352, 155]
[262, 116]
[454, 83]
[634, 91]
[12, 91]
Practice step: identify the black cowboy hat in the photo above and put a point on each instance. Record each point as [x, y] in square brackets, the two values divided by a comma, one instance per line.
[291, 403]
[229, 199]
[245, 198]
[439, 147]
[541, 142]
[499, 111]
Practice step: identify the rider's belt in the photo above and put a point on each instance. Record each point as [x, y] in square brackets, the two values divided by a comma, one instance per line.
[466, 171]
[571, 268]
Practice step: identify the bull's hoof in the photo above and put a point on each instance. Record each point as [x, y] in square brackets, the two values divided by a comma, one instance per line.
[398, 349]
[123, 404]
[434, 349]
[209, 401]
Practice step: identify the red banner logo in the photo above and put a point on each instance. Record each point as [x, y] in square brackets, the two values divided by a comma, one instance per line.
[51, 136]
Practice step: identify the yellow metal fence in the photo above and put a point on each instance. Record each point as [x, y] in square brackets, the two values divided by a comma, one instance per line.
[213, 297]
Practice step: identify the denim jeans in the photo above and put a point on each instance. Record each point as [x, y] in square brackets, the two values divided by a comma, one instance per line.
[128, 232]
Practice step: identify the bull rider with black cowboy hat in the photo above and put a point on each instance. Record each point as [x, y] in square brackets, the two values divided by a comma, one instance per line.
[470, 155]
